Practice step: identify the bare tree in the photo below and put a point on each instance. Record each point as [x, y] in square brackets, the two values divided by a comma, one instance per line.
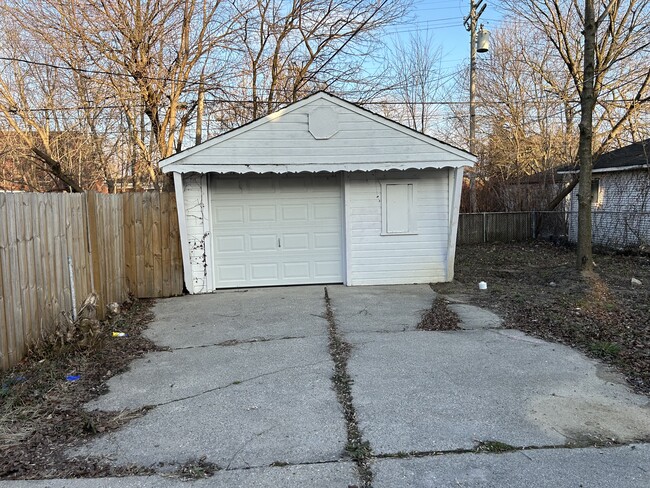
[416, 81]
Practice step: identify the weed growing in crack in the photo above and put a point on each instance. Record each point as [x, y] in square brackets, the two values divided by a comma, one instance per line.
[494, 447]
[195, 469]
[358, 449]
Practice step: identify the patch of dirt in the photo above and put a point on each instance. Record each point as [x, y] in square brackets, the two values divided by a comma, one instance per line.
[439, 317]
[42, 398]
[535, 288]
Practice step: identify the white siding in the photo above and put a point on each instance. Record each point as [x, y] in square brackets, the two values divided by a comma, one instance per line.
[621, 217]
[195, 218]
[382, 259]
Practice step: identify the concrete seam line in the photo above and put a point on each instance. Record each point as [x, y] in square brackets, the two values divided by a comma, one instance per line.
[510, 449]
[357, 448]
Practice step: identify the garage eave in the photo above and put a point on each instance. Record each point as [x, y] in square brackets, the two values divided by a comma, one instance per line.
[257, 168]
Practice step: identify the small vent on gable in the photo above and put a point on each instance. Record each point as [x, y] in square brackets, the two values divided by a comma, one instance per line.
[323, 123]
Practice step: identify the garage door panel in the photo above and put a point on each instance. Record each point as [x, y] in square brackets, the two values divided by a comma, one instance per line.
[266, 271]
[293, 213]
[278, 230]
[262, 213]
[229, 215]
[326, 211]
[268, 242]
[295, 242]
[230, 243]
[296, 270]
[231, 273]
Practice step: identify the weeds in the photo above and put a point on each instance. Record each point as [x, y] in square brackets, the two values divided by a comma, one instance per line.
[604, 349]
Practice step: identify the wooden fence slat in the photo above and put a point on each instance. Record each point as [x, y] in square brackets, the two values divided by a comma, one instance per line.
[140, 246]
[39, 276]
[156, 245]
[147, 219]
[165, 243]
[176, 267]
[51, 259]
[95, 254]
[7, 309]
[31, 333]
[16, 326]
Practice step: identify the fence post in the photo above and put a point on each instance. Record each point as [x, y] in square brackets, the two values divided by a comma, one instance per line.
[534, 224]
[484, 227]
[95, 259]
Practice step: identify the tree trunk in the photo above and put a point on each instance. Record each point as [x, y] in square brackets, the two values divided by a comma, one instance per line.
[565, 191]
[585, 154]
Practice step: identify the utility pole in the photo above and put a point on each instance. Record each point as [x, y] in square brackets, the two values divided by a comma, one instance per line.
[200, 104]
[471, 21]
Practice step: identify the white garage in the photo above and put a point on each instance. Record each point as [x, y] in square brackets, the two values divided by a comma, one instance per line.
[322, 191]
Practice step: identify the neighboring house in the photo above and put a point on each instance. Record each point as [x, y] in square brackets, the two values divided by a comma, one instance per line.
[620, 198]
[322, 191]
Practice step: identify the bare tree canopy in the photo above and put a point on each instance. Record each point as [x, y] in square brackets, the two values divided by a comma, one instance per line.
[128, 75]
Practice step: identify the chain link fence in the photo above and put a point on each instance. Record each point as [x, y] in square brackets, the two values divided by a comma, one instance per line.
[618, 230]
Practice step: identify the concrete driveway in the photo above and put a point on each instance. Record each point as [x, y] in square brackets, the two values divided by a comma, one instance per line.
[248, 384]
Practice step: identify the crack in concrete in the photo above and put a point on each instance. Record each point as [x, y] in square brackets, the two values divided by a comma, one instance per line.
[237, 342]
[233, 383]
[359, 450]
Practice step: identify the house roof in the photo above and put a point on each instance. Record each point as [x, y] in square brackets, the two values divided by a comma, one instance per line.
[319, 133]
[633, 156]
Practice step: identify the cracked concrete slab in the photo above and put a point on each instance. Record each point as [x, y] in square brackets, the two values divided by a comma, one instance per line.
[390, 308]
[312, 475]
[428, 391]
[238, 406]
[241, 315]
[167, 376]
[622, 467]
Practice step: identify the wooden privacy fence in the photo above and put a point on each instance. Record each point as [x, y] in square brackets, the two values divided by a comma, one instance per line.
[111, 244]
[474, 228]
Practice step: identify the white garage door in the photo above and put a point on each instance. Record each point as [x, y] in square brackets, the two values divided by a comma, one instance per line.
[276, 230]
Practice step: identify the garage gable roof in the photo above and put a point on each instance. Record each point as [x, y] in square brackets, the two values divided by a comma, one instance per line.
[319, 133]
